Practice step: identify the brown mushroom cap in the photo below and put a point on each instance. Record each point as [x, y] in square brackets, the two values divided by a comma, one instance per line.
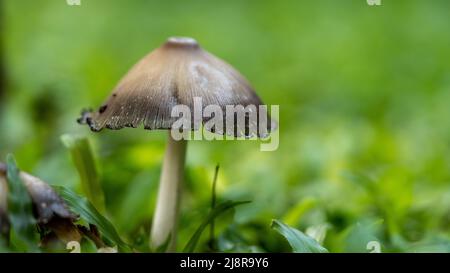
[47, 203]
[171, 75]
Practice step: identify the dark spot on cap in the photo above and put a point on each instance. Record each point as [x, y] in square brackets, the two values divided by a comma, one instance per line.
[114, 95]
[102, 108]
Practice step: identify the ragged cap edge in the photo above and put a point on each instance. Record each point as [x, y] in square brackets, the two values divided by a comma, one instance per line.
[86, 119]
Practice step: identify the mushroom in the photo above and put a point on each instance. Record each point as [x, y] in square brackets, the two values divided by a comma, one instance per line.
[4, 221]
[175, 74]
[48, 204]
[50, 209]
[55, 220]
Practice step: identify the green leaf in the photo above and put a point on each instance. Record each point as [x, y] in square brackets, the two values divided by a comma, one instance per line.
[212, 241]
[20, 211]
[218, 210]
[300, 242]
[361, 234]
[83, 158]
[136, 199]
[295, 213]
[89, 213]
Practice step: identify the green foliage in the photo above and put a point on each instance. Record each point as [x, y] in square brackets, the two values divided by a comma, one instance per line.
[294, 214]
[212, 240]
[214, 213]
[299, 242]
[23, 230]
[360, 235]
[89, 214]
[83, 158]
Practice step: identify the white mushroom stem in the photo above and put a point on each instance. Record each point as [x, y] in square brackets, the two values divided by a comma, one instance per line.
[165, 219]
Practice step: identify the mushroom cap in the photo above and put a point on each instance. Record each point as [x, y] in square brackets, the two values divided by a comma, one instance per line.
[174, 74]
[46, 202]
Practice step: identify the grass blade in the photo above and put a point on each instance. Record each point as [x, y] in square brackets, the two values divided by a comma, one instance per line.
[300, 242]
[83, 158]
[89, 213]
[212, 243]
[221, 208]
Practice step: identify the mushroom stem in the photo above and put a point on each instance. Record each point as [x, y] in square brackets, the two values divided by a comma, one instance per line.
[165, 219]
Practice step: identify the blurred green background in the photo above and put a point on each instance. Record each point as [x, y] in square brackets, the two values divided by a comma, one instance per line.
[364, 95]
